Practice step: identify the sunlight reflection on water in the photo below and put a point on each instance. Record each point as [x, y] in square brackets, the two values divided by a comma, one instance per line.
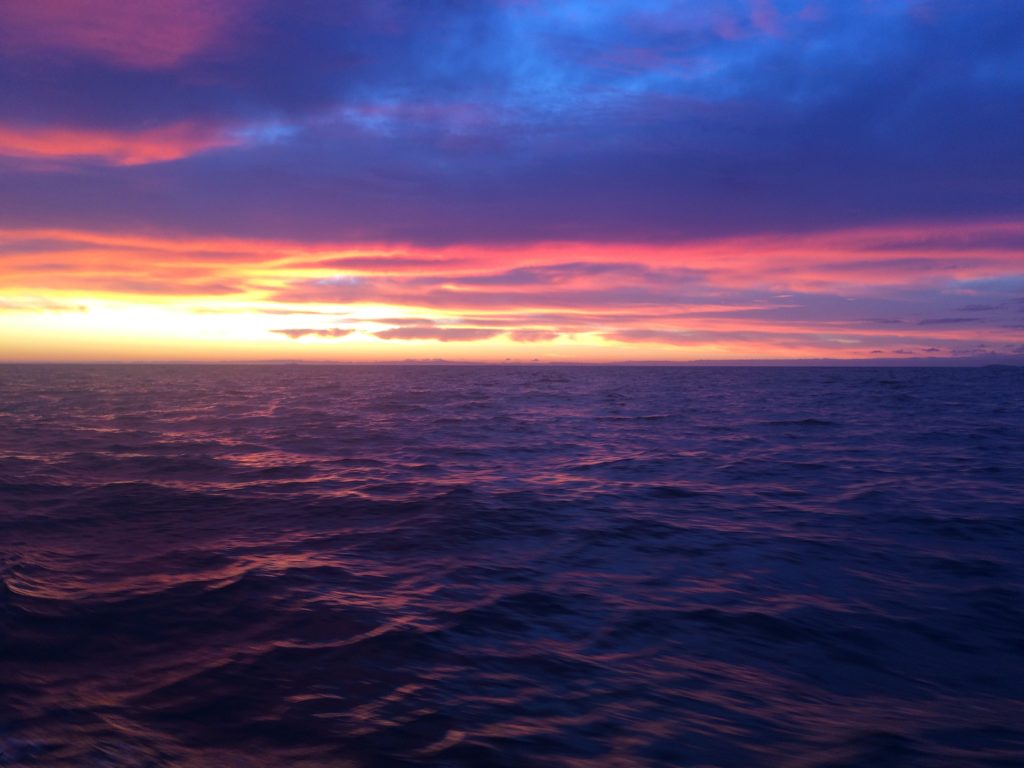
[465, 566]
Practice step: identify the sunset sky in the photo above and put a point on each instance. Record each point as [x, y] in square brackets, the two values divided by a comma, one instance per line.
[560, 180]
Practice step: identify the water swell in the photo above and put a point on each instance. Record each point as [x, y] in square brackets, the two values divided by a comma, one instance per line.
[458, 566]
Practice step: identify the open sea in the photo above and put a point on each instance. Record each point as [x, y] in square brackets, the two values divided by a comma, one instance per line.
[369, 566]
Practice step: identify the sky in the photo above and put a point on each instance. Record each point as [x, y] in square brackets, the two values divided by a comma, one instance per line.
[552, 180]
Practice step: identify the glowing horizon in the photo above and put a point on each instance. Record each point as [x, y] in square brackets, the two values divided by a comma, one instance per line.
[558, 181]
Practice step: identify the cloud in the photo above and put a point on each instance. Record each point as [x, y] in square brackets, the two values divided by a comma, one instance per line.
[947, 320]
[385, 264]
[613, 173]
[143, 33]
[742, 294]
[528, 336]
[155, 145]
[438, 334]
[644, 336]
[548, 274]
[328, 333]
[978, 350]
[405, 321]
[39, 305]
[493, 122]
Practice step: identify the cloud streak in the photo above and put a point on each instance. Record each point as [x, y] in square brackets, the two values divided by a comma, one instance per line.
[420, 333]
[156, 145]
[326, 333]
[750, 178]
[145, 34]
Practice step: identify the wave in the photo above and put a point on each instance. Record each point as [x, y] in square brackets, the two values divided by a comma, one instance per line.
[458, 566]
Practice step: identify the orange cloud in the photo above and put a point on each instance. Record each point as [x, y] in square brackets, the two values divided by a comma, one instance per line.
[328, 333]
[155, 145]
[834, 294]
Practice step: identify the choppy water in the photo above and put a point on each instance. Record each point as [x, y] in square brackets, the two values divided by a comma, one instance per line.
[502, 566]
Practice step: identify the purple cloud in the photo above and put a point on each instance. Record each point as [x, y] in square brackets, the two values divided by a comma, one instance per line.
[410, 122]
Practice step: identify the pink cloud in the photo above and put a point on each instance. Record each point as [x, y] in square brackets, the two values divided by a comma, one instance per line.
[842, 293]
[385, 264]
[530, 337]
[405, 321]
[765, 17]
[145, 34]
[169, 142]
[439, 334]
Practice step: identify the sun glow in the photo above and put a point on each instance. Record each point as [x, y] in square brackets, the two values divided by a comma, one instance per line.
[841, 294]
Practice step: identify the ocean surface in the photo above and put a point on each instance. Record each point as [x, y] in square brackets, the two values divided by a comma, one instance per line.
[290, 565]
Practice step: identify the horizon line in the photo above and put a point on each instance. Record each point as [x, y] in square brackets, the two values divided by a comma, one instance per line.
[973, 361]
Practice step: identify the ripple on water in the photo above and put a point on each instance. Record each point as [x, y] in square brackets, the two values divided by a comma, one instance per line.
[509, 566]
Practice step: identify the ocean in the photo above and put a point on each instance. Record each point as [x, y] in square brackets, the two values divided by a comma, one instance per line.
[571, 566]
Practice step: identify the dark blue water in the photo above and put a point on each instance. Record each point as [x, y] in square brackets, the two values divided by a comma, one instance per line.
[511, 566]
